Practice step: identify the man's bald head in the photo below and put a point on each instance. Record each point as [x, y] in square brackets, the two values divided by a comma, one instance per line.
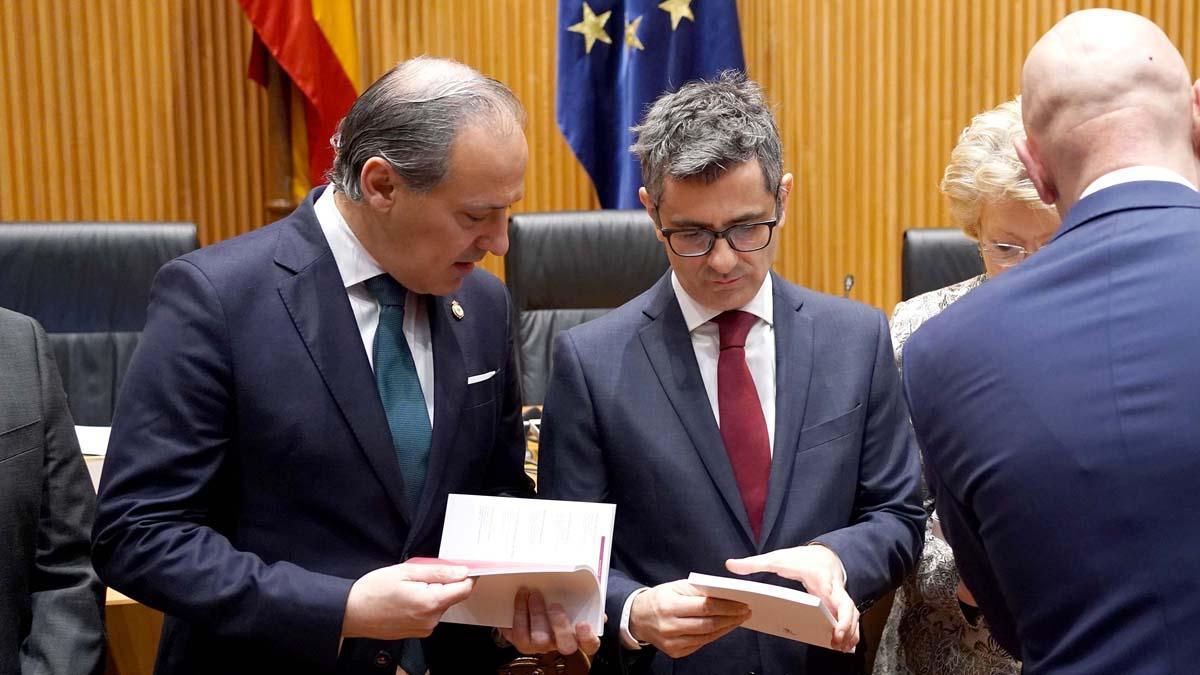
[1103, 90]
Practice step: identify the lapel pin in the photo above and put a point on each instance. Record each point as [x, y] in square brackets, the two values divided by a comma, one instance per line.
[457, 310]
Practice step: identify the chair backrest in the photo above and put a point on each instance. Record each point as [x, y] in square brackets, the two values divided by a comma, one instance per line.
[567, 267]
[933, 257]
[88, 284]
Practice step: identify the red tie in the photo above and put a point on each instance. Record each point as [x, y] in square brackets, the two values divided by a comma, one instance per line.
[743, 427]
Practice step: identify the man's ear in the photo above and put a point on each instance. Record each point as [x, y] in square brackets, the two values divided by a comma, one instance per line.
[1196, 119]
[644, 198]
[785, 190]
[1044, 184]
[379, 184]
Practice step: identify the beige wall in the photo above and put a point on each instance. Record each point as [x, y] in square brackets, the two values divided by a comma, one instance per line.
[134, 110]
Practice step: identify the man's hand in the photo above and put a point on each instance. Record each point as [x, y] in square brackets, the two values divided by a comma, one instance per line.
[537, 630]
[678, 619]
[403, 601]
[820, 570]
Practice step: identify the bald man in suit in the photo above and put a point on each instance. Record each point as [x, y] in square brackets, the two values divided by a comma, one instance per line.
[1057, 405]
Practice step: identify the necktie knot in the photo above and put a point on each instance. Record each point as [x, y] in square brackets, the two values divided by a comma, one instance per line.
[734, 326]
[387, 290]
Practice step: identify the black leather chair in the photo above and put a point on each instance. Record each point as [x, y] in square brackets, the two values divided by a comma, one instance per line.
[88, 284]
[567, 267]
[933, 257]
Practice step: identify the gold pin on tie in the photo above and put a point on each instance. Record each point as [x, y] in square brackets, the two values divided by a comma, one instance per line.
[457, 310]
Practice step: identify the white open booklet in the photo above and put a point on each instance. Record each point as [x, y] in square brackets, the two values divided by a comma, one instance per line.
[774, 610]
[559, 548]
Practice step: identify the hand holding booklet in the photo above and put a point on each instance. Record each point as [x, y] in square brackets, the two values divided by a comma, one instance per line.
[774, 610]
[559, 548]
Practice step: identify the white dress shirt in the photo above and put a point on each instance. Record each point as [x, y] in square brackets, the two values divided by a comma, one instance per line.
[355, 266]
[1131, 174]
[706, 342]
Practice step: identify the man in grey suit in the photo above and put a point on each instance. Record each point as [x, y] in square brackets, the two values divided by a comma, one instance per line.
[730, 413]
[51, 602]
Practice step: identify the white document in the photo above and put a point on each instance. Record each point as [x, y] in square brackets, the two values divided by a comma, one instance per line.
[774, 610]
[559, 548]
[93, 440]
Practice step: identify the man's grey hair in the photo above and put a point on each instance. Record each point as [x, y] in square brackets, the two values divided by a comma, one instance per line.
[705, 129]
[410, 117]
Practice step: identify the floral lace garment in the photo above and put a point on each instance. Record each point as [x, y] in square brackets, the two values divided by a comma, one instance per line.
[926, 633]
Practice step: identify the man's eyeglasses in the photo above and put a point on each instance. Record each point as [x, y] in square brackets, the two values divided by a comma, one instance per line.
[1005, 255]
[693, 242]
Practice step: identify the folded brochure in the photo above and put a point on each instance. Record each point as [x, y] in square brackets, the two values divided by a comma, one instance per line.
[558, 548]
[774, 610]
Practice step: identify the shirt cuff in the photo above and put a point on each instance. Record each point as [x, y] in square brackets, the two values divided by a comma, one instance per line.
[627, 639]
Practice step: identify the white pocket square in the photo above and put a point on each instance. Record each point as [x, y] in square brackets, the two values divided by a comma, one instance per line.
[482, 377]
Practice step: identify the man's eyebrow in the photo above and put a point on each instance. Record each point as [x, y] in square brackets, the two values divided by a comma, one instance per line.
[489, 206]
[744, 217]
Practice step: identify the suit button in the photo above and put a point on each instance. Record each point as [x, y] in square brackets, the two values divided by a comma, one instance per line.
[383, 659]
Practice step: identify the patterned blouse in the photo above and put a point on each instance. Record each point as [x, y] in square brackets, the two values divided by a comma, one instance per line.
[926, 633]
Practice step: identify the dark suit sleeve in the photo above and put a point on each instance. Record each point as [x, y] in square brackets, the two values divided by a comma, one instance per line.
[883, 542]
[506, 473]
[67, 630]
[957, 522]
[162, 510]
[571, 463]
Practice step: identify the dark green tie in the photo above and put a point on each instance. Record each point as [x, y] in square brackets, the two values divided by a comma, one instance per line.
[407, 416]
[399, 388]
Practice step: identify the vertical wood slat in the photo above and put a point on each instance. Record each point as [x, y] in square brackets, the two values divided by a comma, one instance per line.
[141, 111]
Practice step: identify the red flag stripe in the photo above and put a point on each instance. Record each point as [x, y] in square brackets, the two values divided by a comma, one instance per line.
[291, 34]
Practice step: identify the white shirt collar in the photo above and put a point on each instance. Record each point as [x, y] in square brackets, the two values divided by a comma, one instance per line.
[353, 262]
[695, 315]
[1131, 174]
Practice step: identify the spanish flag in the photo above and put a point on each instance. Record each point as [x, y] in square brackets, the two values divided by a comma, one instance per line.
[314, 43]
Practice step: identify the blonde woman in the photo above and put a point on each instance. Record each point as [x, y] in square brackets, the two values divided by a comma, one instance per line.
[933, 628]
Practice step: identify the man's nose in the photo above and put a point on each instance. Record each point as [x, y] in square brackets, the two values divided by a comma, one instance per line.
[722, 258]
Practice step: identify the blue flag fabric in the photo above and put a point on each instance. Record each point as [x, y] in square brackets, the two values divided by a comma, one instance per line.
[615, 57]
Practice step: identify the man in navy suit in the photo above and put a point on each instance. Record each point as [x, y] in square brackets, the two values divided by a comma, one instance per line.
[304, 397]
[728, 413]
[1059, 405]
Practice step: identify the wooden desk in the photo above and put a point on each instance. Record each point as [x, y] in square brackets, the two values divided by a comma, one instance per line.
[133, 631]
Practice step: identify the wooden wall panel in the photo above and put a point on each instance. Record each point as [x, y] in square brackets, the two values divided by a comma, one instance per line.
[141, 110]
[130, 110]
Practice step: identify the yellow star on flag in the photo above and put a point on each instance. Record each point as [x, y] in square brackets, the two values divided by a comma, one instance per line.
[592, 28]
[631, 38]
[679, 9]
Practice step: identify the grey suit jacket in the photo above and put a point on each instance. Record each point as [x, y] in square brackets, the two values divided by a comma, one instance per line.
[627, 420]
[51, 602]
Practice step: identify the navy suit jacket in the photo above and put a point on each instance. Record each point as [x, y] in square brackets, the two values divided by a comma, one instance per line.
[251, 477]
[1059, 409]
[627, 421]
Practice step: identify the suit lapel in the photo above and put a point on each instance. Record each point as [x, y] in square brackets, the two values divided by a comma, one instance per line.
[793, 370]
[317, 303]
[669, 348]
[449, 391]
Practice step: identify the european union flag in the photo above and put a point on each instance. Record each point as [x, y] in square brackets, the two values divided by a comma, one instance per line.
[615, 57]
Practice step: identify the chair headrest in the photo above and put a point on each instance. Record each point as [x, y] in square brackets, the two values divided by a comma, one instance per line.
[86, 277]
[933, 257]
[581, 259]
